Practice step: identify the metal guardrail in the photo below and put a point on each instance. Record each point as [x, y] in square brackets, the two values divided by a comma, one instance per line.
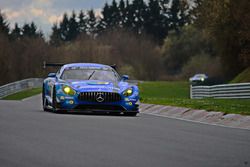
[17, 86]
[225, 91]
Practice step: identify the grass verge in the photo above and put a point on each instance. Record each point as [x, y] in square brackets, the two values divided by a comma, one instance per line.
[177, 94]
[23, 94]
[242, 77]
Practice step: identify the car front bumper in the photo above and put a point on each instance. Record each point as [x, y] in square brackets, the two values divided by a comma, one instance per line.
[72, 103]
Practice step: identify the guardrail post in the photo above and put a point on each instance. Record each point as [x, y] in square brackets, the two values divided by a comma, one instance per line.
[191, 91]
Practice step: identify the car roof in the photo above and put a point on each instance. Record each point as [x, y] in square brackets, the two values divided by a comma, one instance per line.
[93, 65]
[200, 75]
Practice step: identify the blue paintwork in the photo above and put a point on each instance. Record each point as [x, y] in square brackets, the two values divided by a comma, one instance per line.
[88, 86]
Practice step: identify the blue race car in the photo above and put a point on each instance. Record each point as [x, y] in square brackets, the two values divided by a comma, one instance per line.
[87, 87]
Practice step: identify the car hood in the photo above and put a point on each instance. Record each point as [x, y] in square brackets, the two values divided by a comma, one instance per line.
[97, 85]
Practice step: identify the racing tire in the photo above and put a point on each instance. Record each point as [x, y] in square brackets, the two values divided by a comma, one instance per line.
[45, 104]
[54, 100]
[44, 100]
[43, 95]
[55, 105]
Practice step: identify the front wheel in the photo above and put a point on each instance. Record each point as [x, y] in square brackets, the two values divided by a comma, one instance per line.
[45, 105]
[54, 102]
[55, 105]
[44, 100]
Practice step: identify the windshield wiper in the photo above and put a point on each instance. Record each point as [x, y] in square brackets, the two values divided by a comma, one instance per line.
[91, 75]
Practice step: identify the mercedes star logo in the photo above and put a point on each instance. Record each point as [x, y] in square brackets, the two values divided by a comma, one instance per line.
[100, 97]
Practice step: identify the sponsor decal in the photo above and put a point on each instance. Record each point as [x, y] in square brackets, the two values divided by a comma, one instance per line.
[62, 98]
[69, 98]
[132, 99]
[126, 99]
[98, 83]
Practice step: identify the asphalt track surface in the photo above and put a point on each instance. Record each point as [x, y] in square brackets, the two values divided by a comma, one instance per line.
[30, 137]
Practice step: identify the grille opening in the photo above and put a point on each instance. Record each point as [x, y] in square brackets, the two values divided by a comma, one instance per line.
[93, 96]
[100, 107]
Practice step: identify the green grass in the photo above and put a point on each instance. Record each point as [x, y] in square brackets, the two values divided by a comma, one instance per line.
[242, 77]
[23, 94]
[177, 94]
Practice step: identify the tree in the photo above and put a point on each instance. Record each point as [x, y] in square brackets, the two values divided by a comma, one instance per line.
[73, 28]
[55, 37]
[91, 23]
[64, 28]
[122, 10]
[228, 23]
[106, 20]
[16, 33]
[174, 15]
[4, 25]
[177, 50]
[184, 17]
[156, 20]
[115, 14]
[179, 14]
[82, 24]
[242, 17]
[130, 16]
[139, 11]
[30, 30]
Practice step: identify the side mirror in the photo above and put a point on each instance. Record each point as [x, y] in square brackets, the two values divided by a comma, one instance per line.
[125, 77]
[52, 75]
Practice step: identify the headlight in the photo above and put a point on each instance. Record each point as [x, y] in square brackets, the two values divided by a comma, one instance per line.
[69, 91]
[202, 79]
[128, 92]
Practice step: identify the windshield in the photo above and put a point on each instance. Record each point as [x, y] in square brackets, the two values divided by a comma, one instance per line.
[90, 74]
[200, 75]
